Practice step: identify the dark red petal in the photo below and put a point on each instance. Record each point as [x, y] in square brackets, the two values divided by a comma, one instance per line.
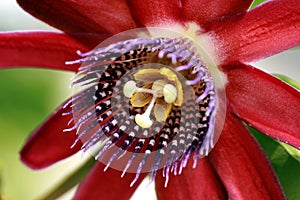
[107, 185]
[38, 49]
[48, 143]
[266, 30]
[91, 16]
[90, 40]
[242, 165]
[155, 13]
[265, 102]
[203, 11]
[199, 183]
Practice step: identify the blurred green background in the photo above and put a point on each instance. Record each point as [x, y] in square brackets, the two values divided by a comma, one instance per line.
[28, 96]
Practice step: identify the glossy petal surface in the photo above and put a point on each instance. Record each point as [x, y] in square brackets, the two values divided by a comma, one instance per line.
[204, 11]
[38, 49]
[265, 102]
[242, 165]
[107, 185]
[193, 183]
[90, 16]
[155, 13]
[48, 143]
[264, 31]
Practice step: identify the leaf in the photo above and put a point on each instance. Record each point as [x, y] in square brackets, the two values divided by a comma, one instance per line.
[286, 166]
[295, 153]
[288, 80]
[256, 3]
[295, 48]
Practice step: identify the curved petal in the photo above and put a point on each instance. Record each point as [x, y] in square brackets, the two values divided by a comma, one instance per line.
[107, 185]
[265, 102]
[242, 165]
[203, 11]
[264, 31]
[199, 183]
[38, 49]
[155, 13]
[91, 16]
[48, 143]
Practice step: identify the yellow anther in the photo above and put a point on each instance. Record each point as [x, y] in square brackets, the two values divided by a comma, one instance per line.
[129, 88]
[170, 93]
[162, 110]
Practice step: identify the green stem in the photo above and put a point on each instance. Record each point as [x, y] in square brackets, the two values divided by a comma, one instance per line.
[70, 181]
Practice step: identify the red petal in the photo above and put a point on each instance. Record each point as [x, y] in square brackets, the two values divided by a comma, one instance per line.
[203, 11]
[265, 102]
[48, 143]
[38, 49]
[107, 185]
[264, 31]
[90, 40]
[91, 16]
[242, 165]
[199, 183]
[155, 13]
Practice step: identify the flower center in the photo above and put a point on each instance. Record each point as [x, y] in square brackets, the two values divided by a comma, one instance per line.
[160, 94]
[149, 101]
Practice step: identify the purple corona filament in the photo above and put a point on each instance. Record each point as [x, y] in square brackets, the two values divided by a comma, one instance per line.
[102, 114]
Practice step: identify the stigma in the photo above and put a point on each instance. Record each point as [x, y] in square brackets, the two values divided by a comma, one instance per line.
[151, 103]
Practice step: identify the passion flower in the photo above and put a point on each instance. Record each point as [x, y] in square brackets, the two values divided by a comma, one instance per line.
[229, 35]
